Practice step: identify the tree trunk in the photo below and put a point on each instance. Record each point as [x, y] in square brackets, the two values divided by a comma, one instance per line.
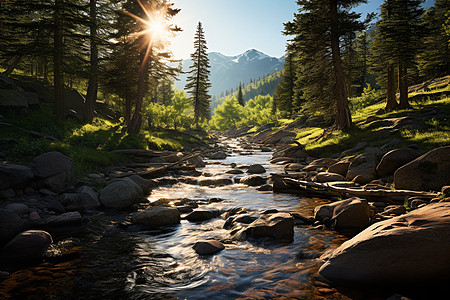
[136, 121]
[58, 80]
[91, 95]
[403, 85]
[13, 65]
[391, 101]
[343, 117]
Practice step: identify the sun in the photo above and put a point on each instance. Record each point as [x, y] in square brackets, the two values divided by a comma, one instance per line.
[156, 28]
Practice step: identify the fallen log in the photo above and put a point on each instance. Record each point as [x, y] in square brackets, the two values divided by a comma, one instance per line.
[154, 171]
[141, 152]
[320, 189]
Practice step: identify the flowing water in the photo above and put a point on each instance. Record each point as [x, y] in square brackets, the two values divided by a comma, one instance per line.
[108, 262]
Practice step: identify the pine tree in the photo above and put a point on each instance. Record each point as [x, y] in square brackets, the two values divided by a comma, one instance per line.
[317, 30]
[240, 96]
[283, 97]
[198, 82]
[396, 44]
[433, 58]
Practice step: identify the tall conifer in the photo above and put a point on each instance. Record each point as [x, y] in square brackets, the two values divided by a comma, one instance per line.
[240, 97]
[198, 82]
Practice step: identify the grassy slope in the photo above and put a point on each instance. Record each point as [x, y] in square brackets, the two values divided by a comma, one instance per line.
[429, 132]
[88, 145]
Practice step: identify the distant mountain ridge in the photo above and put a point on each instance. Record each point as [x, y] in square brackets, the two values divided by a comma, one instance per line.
[228, 71]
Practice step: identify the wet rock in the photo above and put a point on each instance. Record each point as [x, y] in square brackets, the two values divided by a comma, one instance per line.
[253, 180]
[18, 208]
[54, 170]
[12, 176]
[184, 209]
[329, 177]
[394, 159]
[163, 202]
[265, 188]
[157, 216]
[256, 169]
[69, 218]
[145, 184]
[430, 171]
[28, 244]
[339, 168]
[200, 215]
[382, 254]
[245, 218]
[215, 181]
[218, 155]
[197, 162]
[235, 172]
[365, 164]
[119, 195]
[279, 226]
[10, 225]
[208, 247]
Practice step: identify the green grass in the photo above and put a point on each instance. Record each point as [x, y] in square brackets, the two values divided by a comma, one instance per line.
[436, 132]
[88, 145]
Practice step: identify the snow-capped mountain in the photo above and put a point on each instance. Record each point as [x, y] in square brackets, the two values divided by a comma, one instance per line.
[228, 71]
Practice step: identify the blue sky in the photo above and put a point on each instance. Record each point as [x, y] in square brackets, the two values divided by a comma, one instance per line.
[234, 26]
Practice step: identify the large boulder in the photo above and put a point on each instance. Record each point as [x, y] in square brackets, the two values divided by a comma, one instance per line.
[28, 244]
[13, 99]
[120, 194]
[340, 167]
[54, 170]
[157, 216]
[85, 198]
[365, 164]
[10, 225]
[12, 176]
[279, 226]
[145, 184]
[410, 248]
[394, 159]
[430, 171]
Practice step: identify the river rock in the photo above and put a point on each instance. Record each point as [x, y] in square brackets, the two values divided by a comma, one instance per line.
[28, 244]
[278, 225]
[265, 188]
[157, 216]
[410, 248]
[365, 164]
[85, 198]
[14, 176]
[197, 161]
[340, 167]
[119, 194]
[394, 210]
[215, 181]
[65, 219]
[430, 171]
[145, 184]
[200, 215]
[18, 208]
[256, 169]
[55, 171]
[394, 159]
[34, 216]
[218, 155]
[10, 225]
[329, 177]
[235, 172]
[294, 152]
[253, 180]
[208, 247]
[348, 215]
